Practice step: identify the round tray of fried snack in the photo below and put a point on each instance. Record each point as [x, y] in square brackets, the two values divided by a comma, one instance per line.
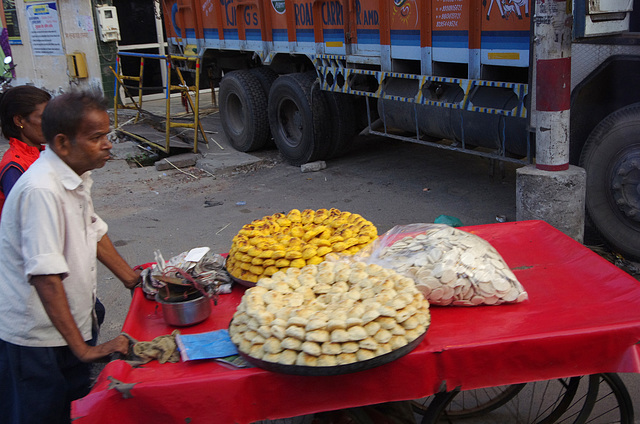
[296, 239]
[328, 319]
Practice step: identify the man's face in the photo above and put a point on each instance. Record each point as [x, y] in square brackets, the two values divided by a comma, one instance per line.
[91, 147]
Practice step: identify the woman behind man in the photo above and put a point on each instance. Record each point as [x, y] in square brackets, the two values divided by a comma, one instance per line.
[20, 116]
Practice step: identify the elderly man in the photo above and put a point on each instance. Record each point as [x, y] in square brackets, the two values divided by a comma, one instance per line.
[50, 238]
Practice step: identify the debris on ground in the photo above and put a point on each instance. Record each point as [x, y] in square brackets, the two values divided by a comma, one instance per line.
[630, 267]
[313, 166]
[451, 221]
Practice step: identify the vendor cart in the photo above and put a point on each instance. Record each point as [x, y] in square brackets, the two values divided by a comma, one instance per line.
[582, 318]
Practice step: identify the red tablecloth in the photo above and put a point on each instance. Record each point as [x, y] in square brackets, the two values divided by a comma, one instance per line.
[582, 317]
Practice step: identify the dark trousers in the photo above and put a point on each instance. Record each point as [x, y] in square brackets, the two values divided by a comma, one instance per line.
[37, 384]
[100, 312]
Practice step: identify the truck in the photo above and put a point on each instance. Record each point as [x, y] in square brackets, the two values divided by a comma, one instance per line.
[308, 75]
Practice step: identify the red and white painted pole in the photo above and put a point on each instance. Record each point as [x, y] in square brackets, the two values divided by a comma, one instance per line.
[552, 62]
[552, 190]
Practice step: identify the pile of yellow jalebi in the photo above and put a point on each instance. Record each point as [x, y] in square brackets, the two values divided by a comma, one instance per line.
[277, 242]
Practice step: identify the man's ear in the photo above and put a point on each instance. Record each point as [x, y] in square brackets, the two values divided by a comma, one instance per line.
[61, 144]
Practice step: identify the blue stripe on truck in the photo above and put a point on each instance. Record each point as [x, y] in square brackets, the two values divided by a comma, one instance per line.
[505, 40]
[405, 38]
[451, 39]
[368, 36]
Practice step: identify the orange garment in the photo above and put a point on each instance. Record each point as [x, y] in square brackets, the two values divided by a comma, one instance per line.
[20, 156]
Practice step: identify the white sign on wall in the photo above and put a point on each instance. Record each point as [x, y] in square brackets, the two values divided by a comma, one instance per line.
[44, 29]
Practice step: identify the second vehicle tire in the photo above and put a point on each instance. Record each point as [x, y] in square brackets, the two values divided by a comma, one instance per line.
[611, 158]
[243, 111]
[298, 116]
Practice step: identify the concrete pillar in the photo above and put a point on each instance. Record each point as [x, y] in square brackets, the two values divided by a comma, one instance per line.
[551, 190]
[553, 197]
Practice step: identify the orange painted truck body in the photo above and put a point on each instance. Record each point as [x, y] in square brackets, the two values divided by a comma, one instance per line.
[453, 31]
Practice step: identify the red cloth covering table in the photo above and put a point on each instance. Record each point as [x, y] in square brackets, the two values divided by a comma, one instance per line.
[582, 317]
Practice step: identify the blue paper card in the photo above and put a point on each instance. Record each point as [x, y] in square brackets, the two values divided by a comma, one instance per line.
[214, 344]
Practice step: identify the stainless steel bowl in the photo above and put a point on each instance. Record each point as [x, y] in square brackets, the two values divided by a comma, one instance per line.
[184, 313]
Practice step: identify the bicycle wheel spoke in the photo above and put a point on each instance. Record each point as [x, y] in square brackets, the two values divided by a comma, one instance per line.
[595, 399]
[610, 404]
[551, 407]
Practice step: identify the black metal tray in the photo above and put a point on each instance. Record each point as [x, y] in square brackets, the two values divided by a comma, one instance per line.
[242, 282]
[338, 369]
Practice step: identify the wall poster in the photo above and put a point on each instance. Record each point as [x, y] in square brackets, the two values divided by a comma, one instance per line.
[44, 29]
[11, 18]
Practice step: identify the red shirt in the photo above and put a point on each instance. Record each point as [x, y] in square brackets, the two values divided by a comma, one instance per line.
[20, 156]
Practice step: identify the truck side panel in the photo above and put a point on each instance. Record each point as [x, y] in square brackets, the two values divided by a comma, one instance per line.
[377, 31]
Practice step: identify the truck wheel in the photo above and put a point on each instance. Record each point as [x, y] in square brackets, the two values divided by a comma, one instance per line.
[611, 157]
[343, 123]
[266, 76]
[243, 111]
[298, 118]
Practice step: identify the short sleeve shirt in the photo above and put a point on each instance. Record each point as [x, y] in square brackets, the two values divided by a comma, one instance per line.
[48, 227]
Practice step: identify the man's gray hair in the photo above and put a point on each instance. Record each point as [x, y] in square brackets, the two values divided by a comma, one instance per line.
[65, 112]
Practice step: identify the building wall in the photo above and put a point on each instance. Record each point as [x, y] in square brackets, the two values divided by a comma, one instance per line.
[78, 33]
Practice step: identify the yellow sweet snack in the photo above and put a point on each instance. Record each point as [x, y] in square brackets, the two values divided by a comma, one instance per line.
[296, 239]
[332, 325]
[315, 260]
[298, 263]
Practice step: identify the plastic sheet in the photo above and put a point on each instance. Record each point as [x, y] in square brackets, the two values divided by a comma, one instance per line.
[581, 318]
[448, 265]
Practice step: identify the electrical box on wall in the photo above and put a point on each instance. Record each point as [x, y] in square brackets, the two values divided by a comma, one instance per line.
[595, 18]
[108, 23]
[77, 63]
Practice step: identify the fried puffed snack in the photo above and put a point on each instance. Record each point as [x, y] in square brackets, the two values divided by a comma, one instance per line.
[331, 326]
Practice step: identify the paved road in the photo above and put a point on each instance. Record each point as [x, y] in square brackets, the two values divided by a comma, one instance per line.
[388, 182]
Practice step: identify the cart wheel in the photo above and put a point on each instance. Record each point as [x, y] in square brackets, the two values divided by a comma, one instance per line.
[303, 419]
[540, 402]
[600, 398]
[607, 401]
[473, 403]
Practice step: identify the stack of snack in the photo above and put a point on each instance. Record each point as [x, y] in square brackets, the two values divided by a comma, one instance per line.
[296, 239]
[334, 313]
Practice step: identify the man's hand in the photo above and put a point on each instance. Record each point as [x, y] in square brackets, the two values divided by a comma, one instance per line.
[133, 282]
[94, 353]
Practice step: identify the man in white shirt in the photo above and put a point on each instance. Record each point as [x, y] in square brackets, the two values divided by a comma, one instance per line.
[50, 237]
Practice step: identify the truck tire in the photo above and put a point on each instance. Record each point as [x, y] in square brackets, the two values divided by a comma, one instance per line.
[611, 158]
[343, 123]
[298, 118]
[243, 111]
[266, 76]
